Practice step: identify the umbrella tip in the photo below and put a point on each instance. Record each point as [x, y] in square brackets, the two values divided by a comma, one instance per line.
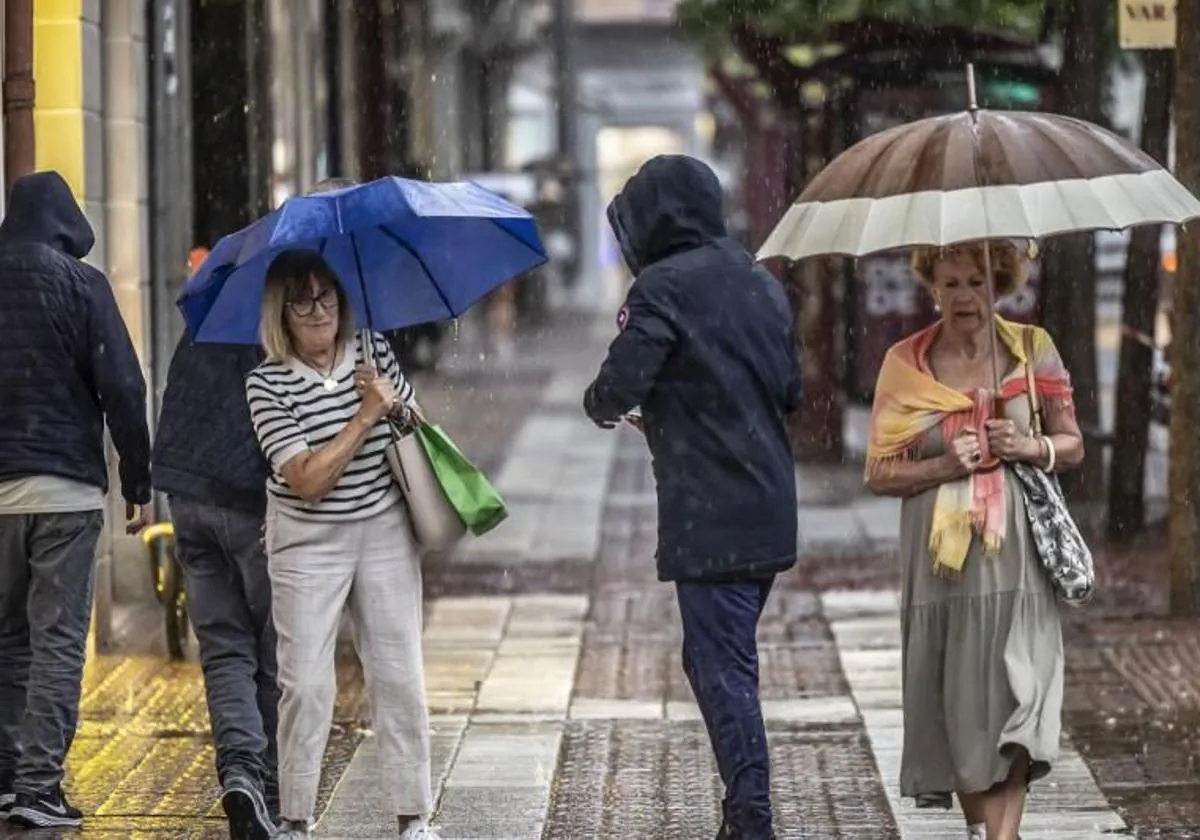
[972, 100]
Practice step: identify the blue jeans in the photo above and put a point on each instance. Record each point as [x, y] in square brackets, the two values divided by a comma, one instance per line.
[229, 602]
[47, 570]
[720, 658]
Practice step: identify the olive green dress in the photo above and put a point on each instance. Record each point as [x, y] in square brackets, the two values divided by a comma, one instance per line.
[982, 653]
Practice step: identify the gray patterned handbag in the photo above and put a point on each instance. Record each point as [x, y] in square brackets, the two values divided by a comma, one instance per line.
[1064, 555]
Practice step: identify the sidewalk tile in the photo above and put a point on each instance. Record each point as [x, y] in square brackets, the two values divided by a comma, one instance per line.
[476, 621]
[834, 525]
[359, 807]
[841, 605]
[815, 710]
[456, 669]
[529, 684]
[591, 708]
[508, 757]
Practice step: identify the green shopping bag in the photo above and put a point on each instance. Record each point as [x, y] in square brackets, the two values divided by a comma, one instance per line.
[467, 488]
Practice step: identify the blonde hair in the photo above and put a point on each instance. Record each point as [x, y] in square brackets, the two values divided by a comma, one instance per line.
[289, 279]
[1010, 267]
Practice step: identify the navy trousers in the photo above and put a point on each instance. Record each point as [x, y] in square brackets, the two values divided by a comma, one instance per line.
[229, 600]
[720, 658]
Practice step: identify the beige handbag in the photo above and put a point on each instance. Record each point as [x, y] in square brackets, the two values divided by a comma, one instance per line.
[436, 524]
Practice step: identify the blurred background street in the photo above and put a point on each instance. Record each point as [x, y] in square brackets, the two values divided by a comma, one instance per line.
[560, 708]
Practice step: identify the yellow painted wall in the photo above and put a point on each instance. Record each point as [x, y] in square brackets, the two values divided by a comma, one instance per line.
[58, 73]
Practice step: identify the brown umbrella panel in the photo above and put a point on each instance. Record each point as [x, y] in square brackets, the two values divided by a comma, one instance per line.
[978, 175]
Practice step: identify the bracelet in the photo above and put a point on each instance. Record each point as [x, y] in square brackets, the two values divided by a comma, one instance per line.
[1051, 455]
[398, 412]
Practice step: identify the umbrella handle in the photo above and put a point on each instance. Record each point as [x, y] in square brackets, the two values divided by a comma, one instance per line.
[367, 342]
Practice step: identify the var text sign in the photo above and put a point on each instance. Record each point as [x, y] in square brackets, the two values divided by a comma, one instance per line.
[1147, 25]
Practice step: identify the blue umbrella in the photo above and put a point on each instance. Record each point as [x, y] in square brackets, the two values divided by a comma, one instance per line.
[407, 253]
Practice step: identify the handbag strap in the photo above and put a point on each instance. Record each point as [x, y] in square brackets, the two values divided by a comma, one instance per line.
[1035, 409]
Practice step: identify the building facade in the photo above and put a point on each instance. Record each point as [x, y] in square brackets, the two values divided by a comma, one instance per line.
[178, 121]
[127, 109]
[641, 89]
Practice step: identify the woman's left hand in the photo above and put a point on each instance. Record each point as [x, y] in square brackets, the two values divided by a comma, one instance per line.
[364, 375]
[377, 392]
[1009, 444]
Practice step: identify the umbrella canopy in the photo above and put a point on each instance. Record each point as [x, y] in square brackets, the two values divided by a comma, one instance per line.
[977, 175]
[407, 253]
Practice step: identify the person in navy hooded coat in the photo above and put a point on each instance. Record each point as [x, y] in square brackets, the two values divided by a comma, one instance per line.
[706, 352]
[68, 369]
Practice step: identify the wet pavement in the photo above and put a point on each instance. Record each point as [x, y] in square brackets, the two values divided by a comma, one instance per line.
[560, 710]
[142, 764]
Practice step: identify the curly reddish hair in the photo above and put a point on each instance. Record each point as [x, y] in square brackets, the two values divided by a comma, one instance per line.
[1010, 265]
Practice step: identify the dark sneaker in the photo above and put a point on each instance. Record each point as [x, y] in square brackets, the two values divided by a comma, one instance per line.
[6, 795]
[246, 810]
[727, 833]
[47, 810]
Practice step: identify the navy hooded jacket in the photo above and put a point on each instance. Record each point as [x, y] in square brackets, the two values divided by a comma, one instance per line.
[706, 350]
[205, 448]
[67, 364]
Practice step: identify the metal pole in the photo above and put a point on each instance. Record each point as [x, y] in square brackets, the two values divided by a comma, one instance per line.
[332, 45]
[260, 122]
[371, 108]
[567, 123]
[20, 150]
[564, 75]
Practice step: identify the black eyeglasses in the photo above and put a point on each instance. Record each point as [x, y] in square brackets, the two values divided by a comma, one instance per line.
[306, 306]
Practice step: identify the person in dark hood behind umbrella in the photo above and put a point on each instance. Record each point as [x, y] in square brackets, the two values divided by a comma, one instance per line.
[67, 366]
[208, 462]
[706, 352]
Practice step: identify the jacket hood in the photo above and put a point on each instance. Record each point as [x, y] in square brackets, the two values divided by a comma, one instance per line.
[42, 209]
[673, 203]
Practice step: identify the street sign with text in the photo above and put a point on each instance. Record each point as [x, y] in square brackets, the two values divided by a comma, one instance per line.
[1147, 25]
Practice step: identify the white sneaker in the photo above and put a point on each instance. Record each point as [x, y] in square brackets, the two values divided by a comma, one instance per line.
[419, 830]
[977, 832]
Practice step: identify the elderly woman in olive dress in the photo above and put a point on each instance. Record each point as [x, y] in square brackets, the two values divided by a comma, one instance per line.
[982, 645]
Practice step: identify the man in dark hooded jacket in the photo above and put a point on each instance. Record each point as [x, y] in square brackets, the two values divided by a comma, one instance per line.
[208, 462]
[67, 366]
[706, 352]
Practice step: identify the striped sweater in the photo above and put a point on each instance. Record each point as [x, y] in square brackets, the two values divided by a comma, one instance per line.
[294, 409]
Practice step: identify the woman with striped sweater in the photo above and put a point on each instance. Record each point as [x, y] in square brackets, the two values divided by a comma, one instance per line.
[337, 534]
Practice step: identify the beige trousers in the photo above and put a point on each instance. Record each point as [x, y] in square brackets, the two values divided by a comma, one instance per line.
[316, 569]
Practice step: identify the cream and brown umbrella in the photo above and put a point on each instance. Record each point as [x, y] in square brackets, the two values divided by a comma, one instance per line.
[977, 175]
